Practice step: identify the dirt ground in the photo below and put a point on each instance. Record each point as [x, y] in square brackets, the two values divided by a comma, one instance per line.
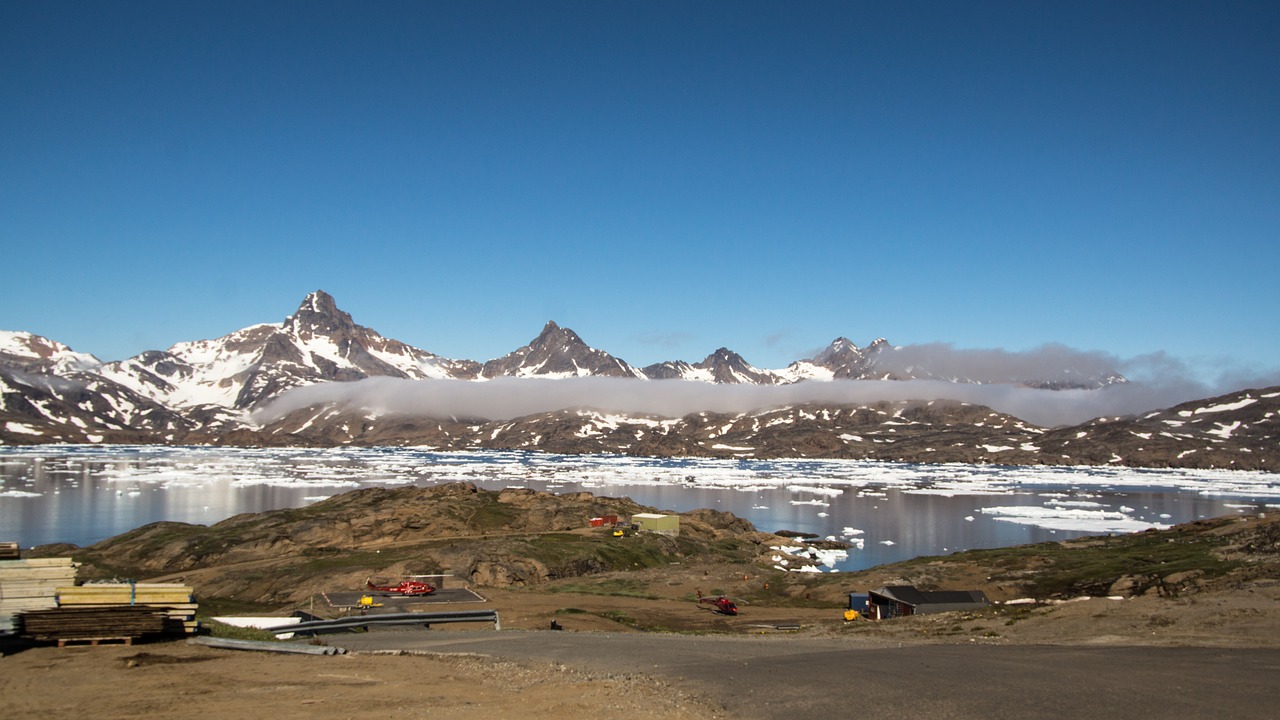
[177, 680]
[1248, 616]
[173, 679]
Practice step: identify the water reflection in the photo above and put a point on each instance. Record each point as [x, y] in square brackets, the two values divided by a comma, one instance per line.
[894, 511]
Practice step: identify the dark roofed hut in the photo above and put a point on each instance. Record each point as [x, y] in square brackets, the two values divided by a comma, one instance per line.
[899, 600]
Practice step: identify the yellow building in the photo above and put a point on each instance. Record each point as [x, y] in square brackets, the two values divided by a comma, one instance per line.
[661, 524]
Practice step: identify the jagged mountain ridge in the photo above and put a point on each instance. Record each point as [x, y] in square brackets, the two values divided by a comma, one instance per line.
[321, 343]
[201, 392]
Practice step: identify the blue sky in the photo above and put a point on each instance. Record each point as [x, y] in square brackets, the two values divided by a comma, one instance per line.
[664, 178]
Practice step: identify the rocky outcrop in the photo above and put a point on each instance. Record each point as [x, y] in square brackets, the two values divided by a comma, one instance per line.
[507, 571]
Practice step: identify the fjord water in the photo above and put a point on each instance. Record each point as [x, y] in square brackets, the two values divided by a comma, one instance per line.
[887, 511]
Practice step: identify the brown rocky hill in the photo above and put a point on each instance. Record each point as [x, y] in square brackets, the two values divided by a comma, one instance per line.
[513, 537]
[1219, 554]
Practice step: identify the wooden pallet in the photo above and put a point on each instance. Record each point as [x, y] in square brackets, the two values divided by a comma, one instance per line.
[62, 642]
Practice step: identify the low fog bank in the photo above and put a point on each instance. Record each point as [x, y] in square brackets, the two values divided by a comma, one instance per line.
[52, 384]
[1052, 362]
[507, 398]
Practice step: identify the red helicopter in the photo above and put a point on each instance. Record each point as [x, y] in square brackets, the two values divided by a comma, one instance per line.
[407, 588]
[719, 604]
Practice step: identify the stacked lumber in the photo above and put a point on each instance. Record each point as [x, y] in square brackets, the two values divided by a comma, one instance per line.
[31, 585]
[124, 593]
[93, 623]
[175, 603]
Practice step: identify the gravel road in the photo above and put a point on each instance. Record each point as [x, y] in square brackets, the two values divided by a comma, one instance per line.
[790, 677]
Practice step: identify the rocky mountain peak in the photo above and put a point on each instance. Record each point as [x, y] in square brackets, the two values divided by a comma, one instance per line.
[558, 352]
[322, 303]
[727, 366]
[839, 353]
[552, 334]
[319, 315]
[723, 354]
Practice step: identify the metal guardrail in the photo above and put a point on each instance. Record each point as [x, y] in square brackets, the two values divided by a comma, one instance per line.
[277, 647]
[425, 619]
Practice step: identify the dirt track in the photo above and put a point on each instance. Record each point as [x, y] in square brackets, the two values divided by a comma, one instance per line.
[544, 674]
[788, 677]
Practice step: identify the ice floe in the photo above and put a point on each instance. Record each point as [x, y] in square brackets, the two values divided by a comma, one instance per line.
[20, 494]
[1074, 519]
[808, 558]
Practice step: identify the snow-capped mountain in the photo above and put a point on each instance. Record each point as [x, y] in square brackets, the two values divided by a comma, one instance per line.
[204, 391]
[318, 343]
[34, 354]
[47, 390]
[81, 407]
[841, 360]
[217, 381]
[197, 391]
